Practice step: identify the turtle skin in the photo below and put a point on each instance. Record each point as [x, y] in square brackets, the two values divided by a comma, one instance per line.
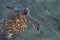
[15, 23]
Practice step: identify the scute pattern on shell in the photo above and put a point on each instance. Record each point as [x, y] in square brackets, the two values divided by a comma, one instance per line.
[16, 23]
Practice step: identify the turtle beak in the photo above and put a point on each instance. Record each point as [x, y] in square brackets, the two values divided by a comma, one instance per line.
[27, 9]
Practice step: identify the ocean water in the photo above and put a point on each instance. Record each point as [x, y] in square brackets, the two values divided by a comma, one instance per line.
[45, 12]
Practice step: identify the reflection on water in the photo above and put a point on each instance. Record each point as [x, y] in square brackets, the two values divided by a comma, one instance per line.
[45, 12]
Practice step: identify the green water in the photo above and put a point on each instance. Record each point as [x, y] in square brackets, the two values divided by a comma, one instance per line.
[45, 12]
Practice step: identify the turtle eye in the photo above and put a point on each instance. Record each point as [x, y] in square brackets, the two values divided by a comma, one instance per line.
[25, 11]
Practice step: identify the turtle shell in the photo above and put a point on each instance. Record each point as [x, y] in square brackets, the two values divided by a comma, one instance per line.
[15, 23]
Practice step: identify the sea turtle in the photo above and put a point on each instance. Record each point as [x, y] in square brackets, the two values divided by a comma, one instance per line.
[18, 22]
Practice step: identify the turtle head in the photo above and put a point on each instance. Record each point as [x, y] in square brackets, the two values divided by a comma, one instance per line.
[26, 11]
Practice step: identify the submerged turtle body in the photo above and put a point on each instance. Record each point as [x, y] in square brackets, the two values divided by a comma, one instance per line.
[16, 23]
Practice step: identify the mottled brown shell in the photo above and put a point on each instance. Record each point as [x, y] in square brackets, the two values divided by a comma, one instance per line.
[16, 23]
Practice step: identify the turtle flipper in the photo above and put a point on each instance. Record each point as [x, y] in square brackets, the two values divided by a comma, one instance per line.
[35, 24]
[9, 36]
[13, 9]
